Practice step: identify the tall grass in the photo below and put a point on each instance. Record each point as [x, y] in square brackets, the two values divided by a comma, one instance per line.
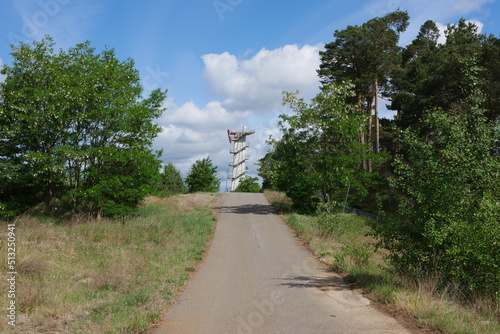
[107, 276]
[344, 242]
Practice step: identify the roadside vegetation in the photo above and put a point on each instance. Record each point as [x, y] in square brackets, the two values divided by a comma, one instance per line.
[432, 173]
[347, 243]
[71, 146]
[76, 167]
[107, 276]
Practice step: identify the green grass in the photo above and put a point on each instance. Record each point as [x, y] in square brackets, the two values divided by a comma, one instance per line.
[106, 276]
[344, 241]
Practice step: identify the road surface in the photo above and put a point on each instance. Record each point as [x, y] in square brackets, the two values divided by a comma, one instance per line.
[258, 278]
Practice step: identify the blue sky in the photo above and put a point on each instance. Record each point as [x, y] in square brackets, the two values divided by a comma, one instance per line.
[224, 62]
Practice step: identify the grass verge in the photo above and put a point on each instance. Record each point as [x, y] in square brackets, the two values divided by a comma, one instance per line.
[106, 276]
[343, 241]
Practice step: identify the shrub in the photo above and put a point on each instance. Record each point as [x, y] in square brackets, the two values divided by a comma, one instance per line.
[248, 185]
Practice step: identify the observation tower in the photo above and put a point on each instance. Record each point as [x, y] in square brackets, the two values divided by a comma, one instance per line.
[239, 138]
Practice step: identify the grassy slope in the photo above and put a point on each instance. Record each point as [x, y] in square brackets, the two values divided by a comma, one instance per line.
[106, 277]
[341, 241]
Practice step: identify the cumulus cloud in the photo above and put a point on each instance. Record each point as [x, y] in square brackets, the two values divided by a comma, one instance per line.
[181, 144]
[212, 117]
[256, 84]
[250, 93]
[192, 133]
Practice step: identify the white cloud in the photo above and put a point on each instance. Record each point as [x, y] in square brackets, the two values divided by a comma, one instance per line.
[479, 24]
[213, 117]
[183, 146]
[250, 92]
[256, 84]
[2, 77]
[191, 133]
[443, 27]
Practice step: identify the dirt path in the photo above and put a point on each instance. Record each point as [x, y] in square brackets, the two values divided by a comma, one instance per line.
[258, 278]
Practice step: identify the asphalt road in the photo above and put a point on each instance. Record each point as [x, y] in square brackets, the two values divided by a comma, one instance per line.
[258, 278]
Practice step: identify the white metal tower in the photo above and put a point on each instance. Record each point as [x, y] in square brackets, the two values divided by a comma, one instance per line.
[239, 138]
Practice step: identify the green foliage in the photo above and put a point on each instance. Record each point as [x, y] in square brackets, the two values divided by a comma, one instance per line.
[119, 185]
[364, 53]
[431, 74]
[203, 177]
[449, 217]
[319, 151]
[269, 170]
[171, 181]
[76, 133]
[248, 185]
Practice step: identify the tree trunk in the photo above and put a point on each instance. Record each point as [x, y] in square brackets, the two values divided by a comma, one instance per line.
[370, 131]
[361, 132]
[377, 121]
[396, 138]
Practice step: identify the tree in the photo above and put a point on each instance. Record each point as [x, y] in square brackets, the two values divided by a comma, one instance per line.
[491, 62]
[319, 151]
[203, 177]
[365, 55]
[171, 181]
[269, 170]
[448, 220]
[415, 81]
[76, 133]
[431, 75]
[382, 52]
[248, 185]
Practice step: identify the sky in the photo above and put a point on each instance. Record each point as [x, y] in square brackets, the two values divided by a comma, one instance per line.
[225, 63]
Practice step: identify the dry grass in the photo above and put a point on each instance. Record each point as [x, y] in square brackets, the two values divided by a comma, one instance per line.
[185, 202]
[107, 277]
[349, 251]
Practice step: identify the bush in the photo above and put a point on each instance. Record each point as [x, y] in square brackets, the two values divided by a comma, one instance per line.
[344, 225]
[448, 219]
[171, 181]
[203, 177]
[248, 185]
